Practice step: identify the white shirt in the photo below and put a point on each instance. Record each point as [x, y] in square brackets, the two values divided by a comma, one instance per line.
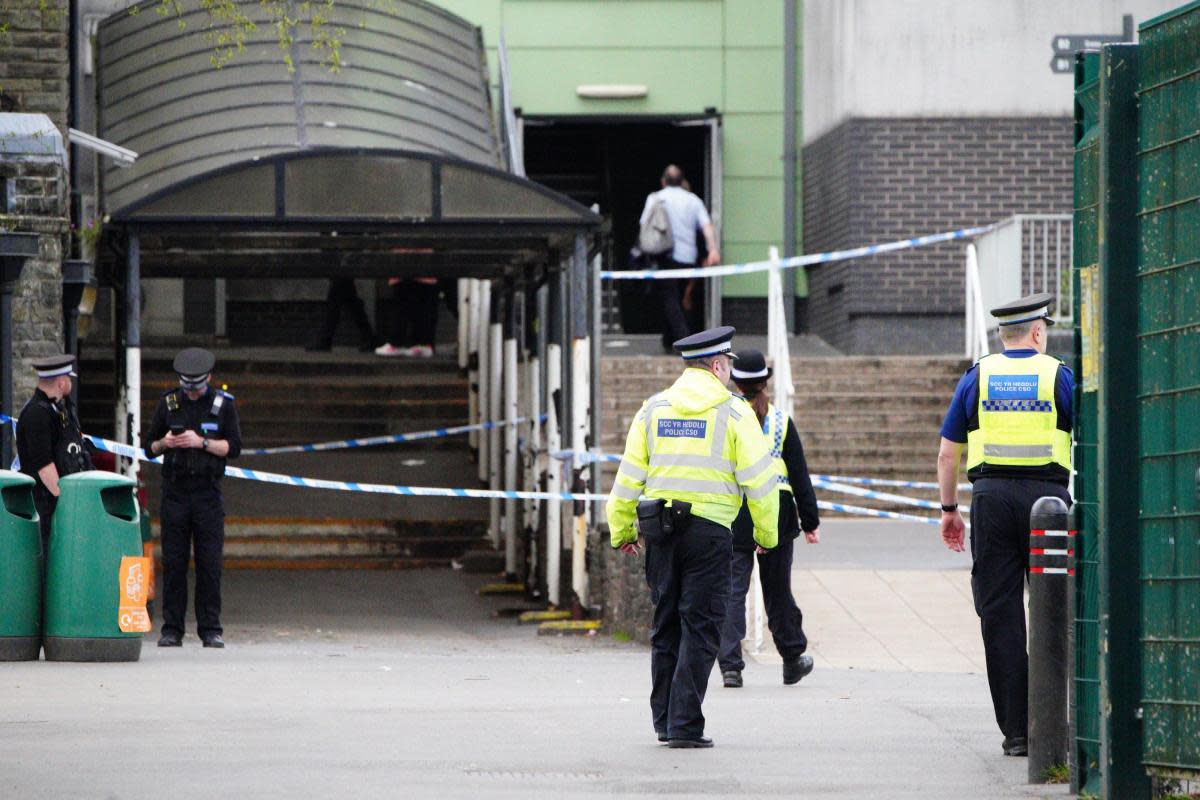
[687, 215]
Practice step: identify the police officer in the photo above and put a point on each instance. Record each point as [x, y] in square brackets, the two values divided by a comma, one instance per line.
[195, 429]
[49, 443]
[692, 451]
[797, 509]
[1012, 413]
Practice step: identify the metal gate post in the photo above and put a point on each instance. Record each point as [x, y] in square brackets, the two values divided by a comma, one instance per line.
[1123, 776]
[512, 508]
[495, 408]
[553, 401]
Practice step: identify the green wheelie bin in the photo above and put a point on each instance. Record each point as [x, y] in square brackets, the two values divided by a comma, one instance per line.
[20, 570]
[95, 554]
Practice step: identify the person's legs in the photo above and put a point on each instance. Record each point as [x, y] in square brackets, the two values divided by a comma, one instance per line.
[663, 579]
[358, 313]
[670, 293]
[208, 522]
[998, 587]
[334, 298]
[425, 313]
[703, 601]
[784, 617]
[734, 628]
[176, 547]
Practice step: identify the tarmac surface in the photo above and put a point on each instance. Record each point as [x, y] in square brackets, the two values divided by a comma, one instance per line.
[406, 684]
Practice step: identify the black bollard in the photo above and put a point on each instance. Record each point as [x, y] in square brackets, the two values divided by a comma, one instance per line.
[1051, 568]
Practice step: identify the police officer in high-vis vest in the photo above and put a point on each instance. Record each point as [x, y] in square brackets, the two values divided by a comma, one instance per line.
[195, 429]
[797, 510]
[692, 452]
[1012, 414]
[49, 443]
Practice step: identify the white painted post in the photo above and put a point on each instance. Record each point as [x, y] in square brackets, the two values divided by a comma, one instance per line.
[533, 450]
[554, 476]
[512, 510]
[495, 409]
[133, 349]
[581, 423]
[471, 317]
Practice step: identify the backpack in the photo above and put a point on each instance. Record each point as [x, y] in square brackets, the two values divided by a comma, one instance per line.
[655, 237]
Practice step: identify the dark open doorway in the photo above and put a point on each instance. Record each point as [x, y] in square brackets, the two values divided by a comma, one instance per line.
[614, 163]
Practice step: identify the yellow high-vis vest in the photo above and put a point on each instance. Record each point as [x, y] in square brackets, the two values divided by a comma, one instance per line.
[775, 429]
[698, 443]
[1018, 415]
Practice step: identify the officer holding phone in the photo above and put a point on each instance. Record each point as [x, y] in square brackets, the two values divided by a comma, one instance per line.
[692, 453]
[196, 430]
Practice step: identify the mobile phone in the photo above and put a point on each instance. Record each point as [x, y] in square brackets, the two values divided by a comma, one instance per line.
[177, 429]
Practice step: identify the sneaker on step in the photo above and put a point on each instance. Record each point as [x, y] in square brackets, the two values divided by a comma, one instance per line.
[420, 351]
[388, 350]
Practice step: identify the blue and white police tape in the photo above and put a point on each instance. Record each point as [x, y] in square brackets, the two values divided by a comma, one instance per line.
[962, 487]
[794, 261]
[129, 451]
[588, 457]
[375, 441]
[858, 491]
[860, 511]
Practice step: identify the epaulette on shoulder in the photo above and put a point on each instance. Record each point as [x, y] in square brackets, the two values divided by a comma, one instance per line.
[226, 394]
[172, 390]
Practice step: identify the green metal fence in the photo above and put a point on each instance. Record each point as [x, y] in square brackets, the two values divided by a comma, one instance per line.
[1086, 695]
[1168, 334]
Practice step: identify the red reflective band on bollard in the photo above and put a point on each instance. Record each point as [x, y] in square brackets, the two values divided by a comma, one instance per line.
[1052, 570]
[1049, 551]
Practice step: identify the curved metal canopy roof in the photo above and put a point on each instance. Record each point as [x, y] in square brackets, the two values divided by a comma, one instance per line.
[402, 134]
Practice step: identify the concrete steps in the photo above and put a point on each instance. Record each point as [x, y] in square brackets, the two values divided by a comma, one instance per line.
[290, 396]
[869, 416]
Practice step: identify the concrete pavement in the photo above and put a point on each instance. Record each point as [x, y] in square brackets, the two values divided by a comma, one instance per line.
[405, 685]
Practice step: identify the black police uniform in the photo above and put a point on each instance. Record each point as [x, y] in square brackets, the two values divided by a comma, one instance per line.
[797, 509]
[48, 433]
[1002, 498]
[193, 511]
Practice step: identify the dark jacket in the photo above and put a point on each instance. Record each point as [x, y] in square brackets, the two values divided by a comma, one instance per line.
[214, 416]
[797, 509]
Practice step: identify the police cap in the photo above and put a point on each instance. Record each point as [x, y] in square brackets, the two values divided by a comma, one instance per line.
[712, 342]
[751, 367]
[1027, 309]
[53, 366]
[194, 363]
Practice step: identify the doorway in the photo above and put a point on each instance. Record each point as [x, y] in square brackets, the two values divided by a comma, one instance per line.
[614, 163]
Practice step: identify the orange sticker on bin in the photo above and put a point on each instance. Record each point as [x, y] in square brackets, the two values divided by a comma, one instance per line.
[134, 591]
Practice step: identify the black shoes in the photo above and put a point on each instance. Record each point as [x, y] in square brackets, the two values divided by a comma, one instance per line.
[796, 669]
[689, 744]
[170, 639]
[213, 640]
[1016, 746]
[662, 736]
[732, 678]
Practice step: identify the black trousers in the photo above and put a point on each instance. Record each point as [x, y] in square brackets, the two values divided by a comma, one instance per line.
[689, 586]
[343, 295]
[192, 518]
[670, 295]
[45, 503]
[784, 618]
[415, 321]
[1000, 553]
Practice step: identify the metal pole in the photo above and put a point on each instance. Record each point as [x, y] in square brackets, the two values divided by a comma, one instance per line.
[512, 510]
[533, 454]
[484, 328]
[6, 359]
[470, 315]
[133, 347]
[495, 408]
[464, 323]
[790, 156]
[1051, 562]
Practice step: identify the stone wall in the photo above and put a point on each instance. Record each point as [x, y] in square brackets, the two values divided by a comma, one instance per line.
[875, 180]
[33, 79]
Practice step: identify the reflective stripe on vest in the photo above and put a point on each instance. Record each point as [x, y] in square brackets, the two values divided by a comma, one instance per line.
[687, 453]
[1018, 414]
[774, 427]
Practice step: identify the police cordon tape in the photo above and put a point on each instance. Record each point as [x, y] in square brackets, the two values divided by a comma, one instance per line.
[613, 458]
[794, 261]
[128, 451]
[375, 441]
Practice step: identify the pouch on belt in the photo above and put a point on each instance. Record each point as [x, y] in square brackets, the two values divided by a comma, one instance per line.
[657, 521]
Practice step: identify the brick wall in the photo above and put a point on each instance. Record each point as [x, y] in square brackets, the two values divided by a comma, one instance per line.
[876, 180]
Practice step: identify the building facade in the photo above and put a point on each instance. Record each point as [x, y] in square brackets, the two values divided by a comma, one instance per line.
[924, 122]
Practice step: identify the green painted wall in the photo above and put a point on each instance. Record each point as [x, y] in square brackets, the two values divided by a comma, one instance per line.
[723, 54]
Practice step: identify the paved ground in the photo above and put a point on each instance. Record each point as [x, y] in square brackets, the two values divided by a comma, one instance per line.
[404, 685]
